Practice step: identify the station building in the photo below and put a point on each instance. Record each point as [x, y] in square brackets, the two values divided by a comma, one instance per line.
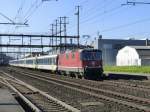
[110, 48]
[134, 56]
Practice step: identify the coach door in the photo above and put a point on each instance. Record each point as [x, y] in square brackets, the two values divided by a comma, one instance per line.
[36, 63]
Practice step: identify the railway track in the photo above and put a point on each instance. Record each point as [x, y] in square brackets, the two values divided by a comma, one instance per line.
[134, 83]
[133, 102]
[126, 83]
[121, 87]
[36, 99]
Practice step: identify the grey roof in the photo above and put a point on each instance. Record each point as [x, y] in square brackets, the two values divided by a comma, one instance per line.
[143, 51]
[141, 47]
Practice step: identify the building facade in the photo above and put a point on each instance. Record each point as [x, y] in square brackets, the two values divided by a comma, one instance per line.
[110, 48]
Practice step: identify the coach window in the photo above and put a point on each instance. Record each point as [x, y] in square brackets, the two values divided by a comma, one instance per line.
[47, 61]
[67, 56]
[44, 62]
[39, 62]
[73, 55]
[54, 61]
[50, 61]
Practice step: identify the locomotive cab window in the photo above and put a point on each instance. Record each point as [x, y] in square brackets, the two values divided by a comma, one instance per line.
[91, 55]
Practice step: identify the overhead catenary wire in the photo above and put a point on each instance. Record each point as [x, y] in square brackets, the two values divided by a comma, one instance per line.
[33, 10]
[6, 17]
[108, 17]
[19, 9]
[95, 16]
[126, 25]
[72, 26]
[30, 8]
[101, 14]
[19, 14]
[93, 9]
[34, 6]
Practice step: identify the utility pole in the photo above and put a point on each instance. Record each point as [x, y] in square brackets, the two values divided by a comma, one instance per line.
[52, 33]
[56, 25]
[78, 23]
[60, 23]
[65, 27]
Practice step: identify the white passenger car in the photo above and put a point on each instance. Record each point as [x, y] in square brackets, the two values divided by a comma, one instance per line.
[48, 62]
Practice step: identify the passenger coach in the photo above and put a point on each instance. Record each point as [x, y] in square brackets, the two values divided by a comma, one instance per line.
[42, 62]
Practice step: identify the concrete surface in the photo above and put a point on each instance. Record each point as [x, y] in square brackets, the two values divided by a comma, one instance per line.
[8, 102]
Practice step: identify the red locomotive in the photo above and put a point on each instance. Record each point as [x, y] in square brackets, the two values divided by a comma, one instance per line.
[85, 63]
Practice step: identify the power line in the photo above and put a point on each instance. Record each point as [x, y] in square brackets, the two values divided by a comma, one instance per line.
[7, 17]
[33, 8]
[11, 21]
[95, 9]
[108, 17]
[101, 14]
[20, 9]
[30, 8]
[19, 14]
[91, 18]
[90, 10]
[126, 25]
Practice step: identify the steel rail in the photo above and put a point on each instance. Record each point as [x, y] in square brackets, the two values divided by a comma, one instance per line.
[126, 103]
[116, 84]
[44, 94]
[144, 100]
[30, 104]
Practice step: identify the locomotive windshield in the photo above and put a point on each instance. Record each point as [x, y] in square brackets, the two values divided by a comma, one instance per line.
[91, 55]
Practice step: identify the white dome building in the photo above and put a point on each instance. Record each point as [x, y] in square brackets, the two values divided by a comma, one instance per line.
[133, 56]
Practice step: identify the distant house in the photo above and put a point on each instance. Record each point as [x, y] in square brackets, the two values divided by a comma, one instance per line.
[133, 56]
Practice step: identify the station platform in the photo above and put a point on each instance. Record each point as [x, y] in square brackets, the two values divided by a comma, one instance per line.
[8, 102]
[123, 75]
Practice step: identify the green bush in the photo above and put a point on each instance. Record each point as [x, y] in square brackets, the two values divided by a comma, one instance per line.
[130, 69]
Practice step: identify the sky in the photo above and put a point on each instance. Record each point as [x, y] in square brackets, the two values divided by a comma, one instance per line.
[105, 17]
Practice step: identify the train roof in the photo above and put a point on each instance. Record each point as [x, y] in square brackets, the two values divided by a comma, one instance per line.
[80, 50]
[47, 56]
[39, 57]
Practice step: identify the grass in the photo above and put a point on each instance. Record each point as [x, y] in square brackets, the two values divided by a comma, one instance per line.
[128, 69]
